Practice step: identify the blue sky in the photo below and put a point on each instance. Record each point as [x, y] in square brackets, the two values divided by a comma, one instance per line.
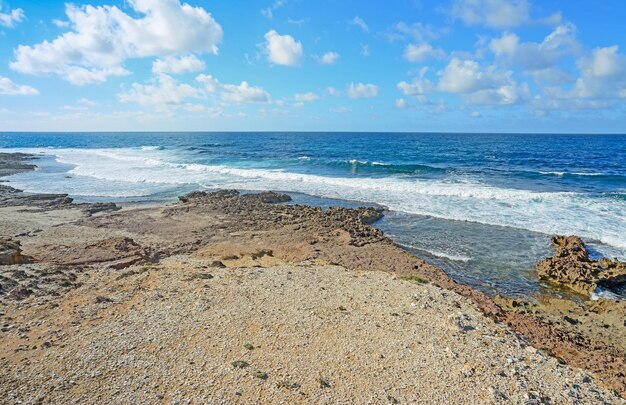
[398, 65]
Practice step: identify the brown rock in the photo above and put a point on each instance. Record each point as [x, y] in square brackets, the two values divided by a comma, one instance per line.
[571, 267]
[11, 252]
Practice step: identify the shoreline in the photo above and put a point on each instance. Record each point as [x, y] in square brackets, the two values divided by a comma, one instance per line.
[56, 232]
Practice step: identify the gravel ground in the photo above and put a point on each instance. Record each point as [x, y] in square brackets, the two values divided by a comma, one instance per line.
[183, 331]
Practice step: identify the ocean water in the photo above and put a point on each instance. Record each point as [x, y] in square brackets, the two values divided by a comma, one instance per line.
[480, 205]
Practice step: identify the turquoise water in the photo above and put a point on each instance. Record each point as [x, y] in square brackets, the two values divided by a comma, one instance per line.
[480, 205]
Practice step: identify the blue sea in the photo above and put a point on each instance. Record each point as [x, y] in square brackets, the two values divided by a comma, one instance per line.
[482, 206]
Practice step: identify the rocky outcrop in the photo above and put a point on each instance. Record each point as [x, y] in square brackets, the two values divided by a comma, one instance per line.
[11, 252]
[115, 252]
[91, 209]
[572, 267]
[13, 163]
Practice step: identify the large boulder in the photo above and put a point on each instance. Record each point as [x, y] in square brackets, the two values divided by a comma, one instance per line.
[572, 267]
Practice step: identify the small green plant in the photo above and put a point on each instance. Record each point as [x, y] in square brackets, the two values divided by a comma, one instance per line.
[249, 346]
[413, 279]
[240, 364]
[287, 384]
[260, 374]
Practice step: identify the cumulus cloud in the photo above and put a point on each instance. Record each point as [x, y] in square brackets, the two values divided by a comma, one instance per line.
[359, 22]
[602, 74]
[362, 90]
[164, 93]
[419, 53]
[492, 13]
[536, 56]
[244, 93]
[283, 49]
[211, 84]
[419, 87]
[7, 87]
[10, 18]
[481, 86]
[329, 58]
[103, 37]
[189, 63]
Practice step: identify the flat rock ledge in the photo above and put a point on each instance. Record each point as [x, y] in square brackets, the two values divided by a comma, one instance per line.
[572, 267]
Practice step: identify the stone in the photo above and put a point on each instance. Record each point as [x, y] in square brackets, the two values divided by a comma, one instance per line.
[572, 267]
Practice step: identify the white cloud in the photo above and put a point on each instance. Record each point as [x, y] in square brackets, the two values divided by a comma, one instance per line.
[419, 53]
[86, 102]
[492, 13]
[211, 84]
[283, 49]
[417, 87]
[602, 75]
[170, 64]
[466, 76]
[418, 32]
[244, 93]
[362, 90]
[331, 91]
[329, 58]
[103, 37]
[268, 12]
[359, 22]
[61, 23]
[481, 86]
[306, 97]
[536, 56]
[10, 18]
[161, 95]
[7, 87]
[401, 103]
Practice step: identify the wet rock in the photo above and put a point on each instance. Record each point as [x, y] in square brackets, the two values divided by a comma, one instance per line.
[13, 163]
[572, 267]
[92, 209]
[271, 197]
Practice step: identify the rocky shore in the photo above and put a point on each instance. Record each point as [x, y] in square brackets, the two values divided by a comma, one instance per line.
[225, 298]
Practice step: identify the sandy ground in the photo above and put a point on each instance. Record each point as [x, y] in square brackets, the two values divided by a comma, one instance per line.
[302, 332]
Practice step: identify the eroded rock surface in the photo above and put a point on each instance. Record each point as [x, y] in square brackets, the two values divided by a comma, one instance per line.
[11, 252]
[572, 267]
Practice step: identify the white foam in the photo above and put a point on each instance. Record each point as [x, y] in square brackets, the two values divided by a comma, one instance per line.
[437, 253]
[601, 219]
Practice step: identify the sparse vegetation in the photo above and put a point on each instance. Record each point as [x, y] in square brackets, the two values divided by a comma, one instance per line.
[240, 364]
[260, 374]
[287, 384]
[413, 279]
